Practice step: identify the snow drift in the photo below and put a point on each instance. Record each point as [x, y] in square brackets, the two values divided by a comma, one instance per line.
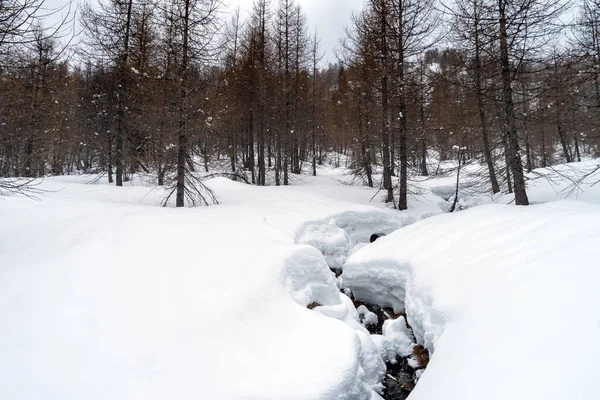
[506, 298]
[105, 295]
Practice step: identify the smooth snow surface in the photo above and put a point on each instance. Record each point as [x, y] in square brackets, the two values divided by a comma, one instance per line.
[507, 299]
[105, 295]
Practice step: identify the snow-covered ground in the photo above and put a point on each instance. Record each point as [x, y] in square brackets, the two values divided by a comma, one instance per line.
[105, 295]
[507, 299]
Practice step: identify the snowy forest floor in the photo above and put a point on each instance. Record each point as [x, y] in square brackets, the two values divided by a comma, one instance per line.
[106, 295]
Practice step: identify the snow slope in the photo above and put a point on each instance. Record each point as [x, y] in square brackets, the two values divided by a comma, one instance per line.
[105, 295]
[507, 299]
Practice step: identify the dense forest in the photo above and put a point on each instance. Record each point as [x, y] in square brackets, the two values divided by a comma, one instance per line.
[180, 89]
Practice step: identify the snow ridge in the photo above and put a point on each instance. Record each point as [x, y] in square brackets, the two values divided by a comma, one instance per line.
[308, 280]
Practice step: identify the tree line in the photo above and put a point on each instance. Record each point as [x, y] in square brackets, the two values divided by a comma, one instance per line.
[177, 89]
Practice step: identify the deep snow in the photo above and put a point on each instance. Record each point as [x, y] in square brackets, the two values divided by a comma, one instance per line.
[507, 299]
[105, 295]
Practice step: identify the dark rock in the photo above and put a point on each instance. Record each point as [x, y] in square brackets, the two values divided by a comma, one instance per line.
[376, 236]
[398, 382]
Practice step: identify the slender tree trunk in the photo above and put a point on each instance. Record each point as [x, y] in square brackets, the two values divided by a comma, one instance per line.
[38, 84]
[314, 107]
[121, 102]
[596, 58]
[387, 173]
[507, 159]
[403, 199]
[561, 134]
[182, 141]
[453, 208]
[528, 158]
[528, 151]
[543, 137]
[365, 159]
[515, 163]
[422, 86]
[109, 158]
[251, 155]
[262, 179]
[487, 152]
[558, 118]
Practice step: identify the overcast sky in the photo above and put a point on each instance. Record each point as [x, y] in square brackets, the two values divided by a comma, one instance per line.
[329, 17]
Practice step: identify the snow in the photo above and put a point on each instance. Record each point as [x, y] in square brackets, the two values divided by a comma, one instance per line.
[106, 295]
[336, 236]
[366, 317]
[398, 332]
[395, 340]
[506, 298]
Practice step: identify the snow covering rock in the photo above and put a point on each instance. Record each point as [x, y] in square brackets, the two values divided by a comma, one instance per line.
[308, 278]
[395, 340]
[506, 298]
[332, 240]
[367, 318]
[337, 235]
[400, 334]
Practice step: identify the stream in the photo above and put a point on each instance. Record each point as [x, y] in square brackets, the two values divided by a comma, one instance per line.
[337, 238]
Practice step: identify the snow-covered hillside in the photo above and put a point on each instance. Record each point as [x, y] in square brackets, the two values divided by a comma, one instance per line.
[105, 295]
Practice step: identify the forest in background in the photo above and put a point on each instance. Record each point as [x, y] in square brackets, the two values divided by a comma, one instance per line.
[170, 88]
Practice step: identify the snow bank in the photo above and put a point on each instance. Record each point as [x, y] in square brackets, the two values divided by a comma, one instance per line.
[506, 297]
[105, 295]
[573, 181]
[336, 236]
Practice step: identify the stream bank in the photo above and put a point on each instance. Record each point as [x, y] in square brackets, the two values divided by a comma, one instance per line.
[339, 237]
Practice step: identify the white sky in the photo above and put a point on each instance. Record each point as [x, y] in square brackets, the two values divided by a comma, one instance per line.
[329, 17]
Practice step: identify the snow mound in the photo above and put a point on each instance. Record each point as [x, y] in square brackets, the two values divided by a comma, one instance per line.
[504, 297]
[394, 341]
[399, 333]
[367, 318]
[336, 236]
[308, 278]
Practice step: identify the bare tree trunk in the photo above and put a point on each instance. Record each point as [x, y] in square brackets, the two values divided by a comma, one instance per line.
[507, 160]
[509, 111]
[387, 173]
[528, 151]
[543, 137]
[558, 119]
[403, 198]
[481, 108]
[260, 137]
[423, 155]
[460, 156]
[182, 135]
[109, 158]
[121, 103]
[39, 77]
[314, 104]
[561, 134]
